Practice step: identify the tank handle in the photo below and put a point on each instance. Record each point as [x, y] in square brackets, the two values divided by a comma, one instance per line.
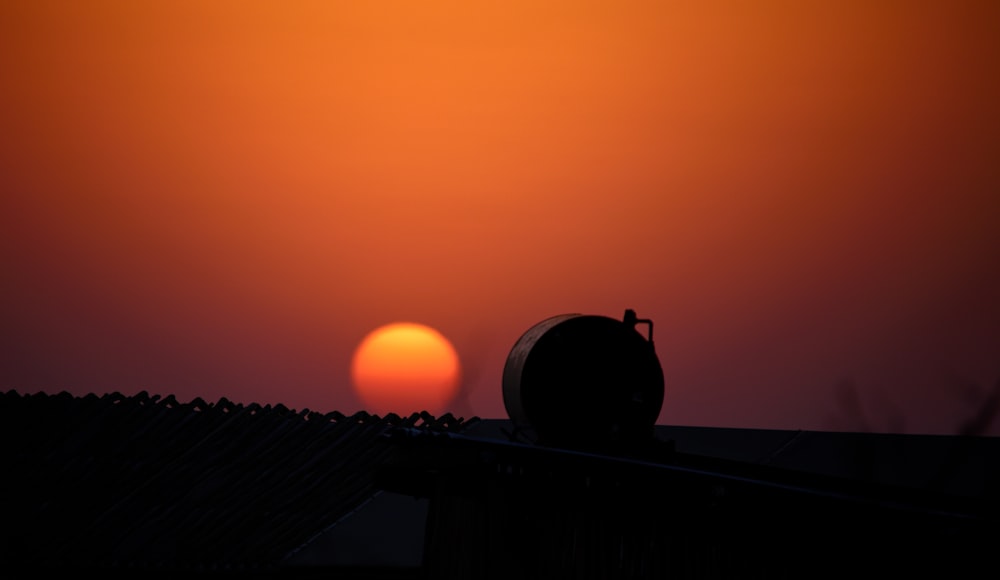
[631, 320]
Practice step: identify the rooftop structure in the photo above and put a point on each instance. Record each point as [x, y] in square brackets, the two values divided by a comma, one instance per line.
[148, 486]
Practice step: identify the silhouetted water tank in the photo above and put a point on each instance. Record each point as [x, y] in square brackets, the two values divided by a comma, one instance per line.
[584, 381]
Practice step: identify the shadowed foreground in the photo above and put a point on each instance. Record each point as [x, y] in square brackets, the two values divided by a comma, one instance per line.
[144, 486]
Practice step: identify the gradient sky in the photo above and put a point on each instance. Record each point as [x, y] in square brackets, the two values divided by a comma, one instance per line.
[220, 199]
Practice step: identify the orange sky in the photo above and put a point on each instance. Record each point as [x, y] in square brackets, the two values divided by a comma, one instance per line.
[222, 198]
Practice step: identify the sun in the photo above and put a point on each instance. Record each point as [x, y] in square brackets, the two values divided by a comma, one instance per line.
[405, 367]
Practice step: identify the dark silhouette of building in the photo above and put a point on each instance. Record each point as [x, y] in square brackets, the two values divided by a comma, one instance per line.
[138, 486]
[144, 486]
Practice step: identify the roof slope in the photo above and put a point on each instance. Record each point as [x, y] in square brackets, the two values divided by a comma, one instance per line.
[964, 466]
[139, 482]
[146, 481]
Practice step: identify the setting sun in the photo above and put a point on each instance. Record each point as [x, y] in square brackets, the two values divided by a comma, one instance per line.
[405, 367]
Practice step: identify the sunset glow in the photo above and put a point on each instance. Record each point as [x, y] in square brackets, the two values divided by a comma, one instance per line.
[219, 198]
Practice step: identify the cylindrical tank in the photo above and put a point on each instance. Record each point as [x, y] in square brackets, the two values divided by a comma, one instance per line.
[584, 381]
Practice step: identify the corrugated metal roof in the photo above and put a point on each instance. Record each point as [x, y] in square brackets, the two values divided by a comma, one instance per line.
[146, 481]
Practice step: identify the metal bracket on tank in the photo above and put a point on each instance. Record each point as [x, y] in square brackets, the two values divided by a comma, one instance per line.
[631, 320]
